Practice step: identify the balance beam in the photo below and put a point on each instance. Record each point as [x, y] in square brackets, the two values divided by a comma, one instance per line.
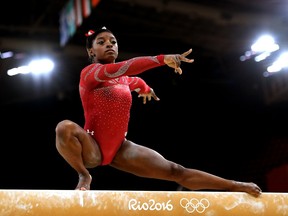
[138, 203]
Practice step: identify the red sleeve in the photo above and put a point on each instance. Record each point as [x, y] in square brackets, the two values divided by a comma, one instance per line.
[139, 85]
[94, 74]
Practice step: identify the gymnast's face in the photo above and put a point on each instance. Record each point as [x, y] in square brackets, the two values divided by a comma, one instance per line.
[104, 48]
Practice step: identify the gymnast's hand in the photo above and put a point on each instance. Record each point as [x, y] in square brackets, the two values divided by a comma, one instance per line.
[174, 61]
[148, 96]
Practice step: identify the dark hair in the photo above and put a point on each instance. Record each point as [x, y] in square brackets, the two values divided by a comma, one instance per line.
[91, 35]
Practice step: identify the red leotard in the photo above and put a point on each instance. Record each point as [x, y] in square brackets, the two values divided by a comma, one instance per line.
[105, 91]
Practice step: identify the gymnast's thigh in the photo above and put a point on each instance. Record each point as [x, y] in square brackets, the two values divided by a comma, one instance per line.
[141, 161]
[91, 152]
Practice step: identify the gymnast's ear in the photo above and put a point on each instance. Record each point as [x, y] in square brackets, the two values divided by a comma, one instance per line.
[90, 52]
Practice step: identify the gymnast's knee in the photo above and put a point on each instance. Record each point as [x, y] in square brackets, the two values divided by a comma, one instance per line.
[65, 129]
[176, 171]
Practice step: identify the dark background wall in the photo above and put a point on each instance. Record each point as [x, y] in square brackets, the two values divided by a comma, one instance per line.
[220, 115]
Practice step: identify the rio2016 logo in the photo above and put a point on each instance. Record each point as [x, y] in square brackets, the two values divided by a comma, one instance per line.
[151, 205]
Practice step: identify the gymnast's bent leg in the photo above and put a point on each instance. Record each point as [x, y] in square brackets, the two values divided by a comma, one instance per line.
[79, 149]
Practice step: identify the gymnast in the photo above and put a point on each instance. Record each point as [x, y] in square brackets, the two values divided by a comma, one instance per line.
[105, 89]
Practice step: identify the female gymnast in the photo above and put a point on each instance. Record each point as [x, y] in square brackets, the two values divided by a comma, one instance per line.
[106, 88]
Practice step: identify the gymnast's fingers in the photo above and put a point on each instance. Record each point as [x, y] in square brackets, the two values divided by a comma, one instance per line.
[183, 56]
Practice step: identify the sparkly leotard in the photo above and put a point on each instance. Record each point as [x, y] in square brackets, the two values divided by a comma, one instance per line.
[105, 91]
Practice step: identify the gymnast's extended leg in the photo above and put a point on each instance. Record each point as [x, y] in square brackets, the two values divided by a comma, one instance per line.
[145, 162]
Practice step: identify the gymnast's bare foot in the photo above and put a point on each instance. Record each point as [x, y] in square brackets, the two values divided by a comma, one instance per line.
[84, 182]
[248, 187]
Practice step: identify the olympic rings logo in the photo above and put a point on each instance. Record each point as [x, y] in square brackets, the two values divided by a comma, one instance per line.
[194, 204]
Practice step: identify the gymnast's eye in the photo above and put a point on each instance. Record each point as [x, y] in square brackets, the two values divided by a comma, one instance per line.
[100, 42]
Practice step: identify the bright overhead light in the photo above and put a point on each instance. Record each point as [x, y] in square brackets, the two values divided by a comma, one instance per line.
[39, 66]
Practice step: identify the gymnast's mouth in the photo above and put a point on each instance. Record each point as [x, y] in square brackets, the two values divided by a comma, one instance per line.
[110, 50]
